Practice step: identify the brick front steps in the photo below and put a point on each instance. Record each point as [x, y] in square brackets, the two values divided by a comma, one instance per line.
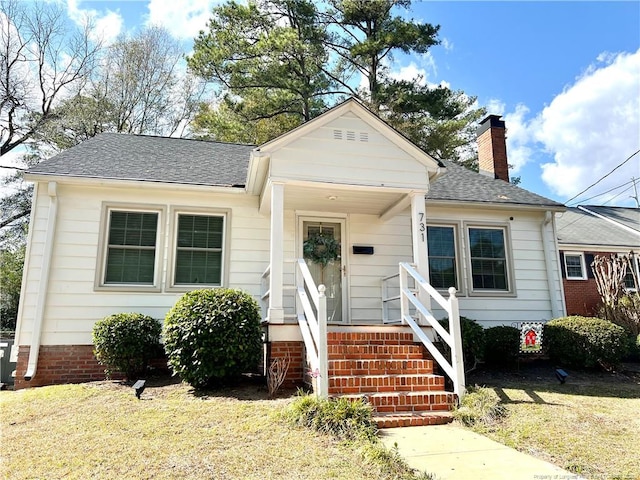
[392, 373]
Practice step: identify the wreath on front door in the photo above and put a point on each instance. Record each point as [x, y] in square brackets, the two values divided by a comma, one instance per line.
[321, 249]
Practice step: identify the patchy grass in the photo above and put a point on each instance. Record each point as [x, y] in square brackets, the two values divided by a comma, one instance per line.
[100, 430]
[589, 426]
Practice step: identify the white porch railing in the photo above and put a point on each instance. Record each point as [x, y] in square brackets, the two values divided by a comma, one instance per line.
[453, 338]
[311, 309]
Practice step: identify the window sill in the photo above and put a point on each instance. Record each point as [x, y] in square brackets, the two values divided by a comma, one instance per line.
[189, 288]
[492, 294]
[128, 288]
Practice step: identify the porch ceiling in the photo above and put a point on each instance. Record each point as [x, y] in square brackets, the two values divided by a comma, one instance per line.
[338, 198]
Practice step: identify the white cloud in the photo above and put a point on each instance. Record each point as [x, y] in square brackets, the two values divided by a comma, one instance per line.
[183, 19]
[519, 135]
[592, 126]
[107, 24]
[496, 107]
[410, 72]
[447, 44]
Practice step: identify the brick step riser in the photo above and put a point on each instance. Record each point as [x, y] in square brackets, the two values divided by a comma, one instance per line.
[381, 384]
[411, 421]
[393, 338]
[380, 367]
[375, 352]
[400, 403]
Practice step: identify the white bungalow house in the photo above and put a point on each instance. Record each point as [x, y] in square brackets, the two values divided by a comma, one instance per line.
[128, 223]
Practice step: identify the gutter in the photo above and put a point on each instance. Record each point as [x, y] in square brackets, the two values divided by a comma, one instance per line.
[32, 365]
[548, 261]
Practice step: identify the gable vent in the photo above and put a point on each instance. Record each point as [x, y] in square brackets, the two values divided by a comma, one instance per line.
[350, 135]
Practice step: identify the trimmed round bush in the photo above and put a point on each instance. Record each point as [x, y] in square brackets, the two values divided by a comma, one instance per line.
[501, 345]
[472, 341]
[213, 335]
[126, 342]
[585, 342]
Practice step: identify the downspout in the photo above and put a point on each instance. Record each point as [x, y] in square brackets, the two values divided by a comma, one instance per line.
[25, 272]
[32, 365]
[553, 298]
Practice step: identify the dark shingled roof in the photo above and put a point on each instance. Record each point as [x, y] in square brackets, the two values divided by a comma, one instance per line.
[629, 217]
[152, 159]
[195, 162]
[581, 228]
[460, 184]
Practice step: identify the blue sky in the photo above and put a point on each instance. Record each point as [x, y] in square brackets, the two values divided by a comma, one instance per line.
[565, 76]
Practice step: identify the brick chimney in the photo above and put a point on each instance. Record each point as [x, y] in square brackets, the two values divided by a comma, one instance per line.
[492, 148]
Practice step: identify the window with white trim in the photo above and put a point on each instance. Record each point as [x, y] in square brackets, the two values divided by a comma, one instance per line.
[574, 266]
[488, 259]
[199, 255]
[441, 248]
[631, 280]
[131, 248]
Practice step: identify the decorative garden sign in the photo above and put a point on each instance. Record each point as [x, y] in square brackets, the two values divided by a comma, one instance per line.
[531, 337]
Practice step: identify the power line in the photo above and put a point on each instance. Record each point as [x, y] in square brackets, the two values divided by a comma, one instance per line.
[616, 196]
[605, 176]
[13, 168]
[603, 193]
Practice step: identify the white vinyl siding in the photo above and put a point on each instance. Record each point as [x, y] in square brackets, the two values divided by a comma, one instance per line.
[75, 302]
[364, 157]
[574, 266]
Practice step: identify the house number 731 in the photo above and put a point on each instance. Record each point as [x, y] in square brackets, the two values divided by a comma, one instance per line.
[421, 226]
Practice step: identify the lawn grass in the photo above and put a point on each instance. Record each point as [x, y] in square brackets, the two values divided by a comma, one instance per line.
[100, 430]
[589, 426]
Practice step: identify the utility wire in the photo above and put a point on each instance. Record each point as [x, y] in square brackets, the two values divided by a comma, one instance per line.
[616, 196]
[13, 168]
[603, 193]
[605, 176]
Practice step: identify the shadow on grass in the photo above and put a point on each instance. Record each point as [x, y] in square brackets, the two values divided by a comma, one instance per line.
[539, 376]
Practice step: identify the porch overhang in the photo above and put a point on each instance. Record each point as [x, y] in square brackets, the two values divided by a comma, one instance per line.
[384, 202]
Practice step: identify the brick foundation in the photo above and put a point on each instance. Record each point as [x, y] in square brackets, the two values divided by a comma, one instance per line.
[296, 373]
[59, 364]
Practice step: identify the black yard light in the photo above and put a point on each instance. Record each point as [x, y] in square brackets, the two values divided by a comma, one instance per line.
[139, 388]
[561, 375]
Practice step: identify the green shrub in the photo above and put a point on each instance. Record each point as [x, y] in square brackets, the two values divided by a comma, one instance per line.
[125, 342]
[480, 406]
[340, 417]
[501, 345]
[472, 341]
[633, 349]
[213, 335]
[585, 342]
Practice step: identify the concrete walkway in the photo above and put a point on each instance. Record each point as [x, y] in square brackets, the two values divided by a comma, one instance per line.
[453, 453]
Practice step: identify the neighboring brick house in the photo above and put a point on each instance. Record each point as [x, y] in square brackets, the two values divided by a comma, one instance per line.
[583, 233]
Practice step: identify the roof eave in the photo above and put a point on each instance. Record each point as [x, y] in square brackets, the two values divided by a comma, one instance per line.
[126, 182]
[497, 205]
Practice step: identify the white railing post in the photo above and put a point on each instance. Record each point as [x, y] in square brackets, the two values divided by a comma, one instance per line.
[404, 301]
[456, 348]
[276, 256]
[323, 359]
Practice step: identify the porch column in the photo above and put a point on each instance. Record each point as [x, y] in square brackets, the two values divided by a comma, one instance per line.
[276, 311]
[419, 241]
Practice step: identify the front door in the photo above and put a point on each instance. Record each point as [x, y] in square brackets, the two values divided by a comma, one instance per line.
[323, 250]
